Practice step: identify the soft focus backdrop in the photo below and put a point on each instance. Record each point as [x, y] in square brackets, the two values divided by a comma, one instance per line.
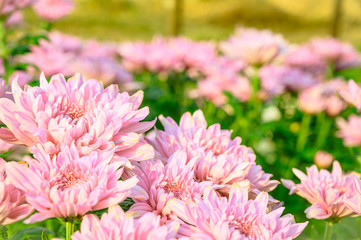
[209, 19]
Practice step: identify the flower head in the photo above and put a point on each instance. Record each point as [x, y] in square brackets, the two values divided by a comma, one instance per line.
[222, 74]
[116, 225]
[325, 94]
[323, 159]
[13, 206]
[352, 94]
[276, 79]
[53, 10]
[159, 183]
[324, 190]
[214, 148]
[349, 130]
[234, 218]
[307, 60]
[68, 185]
[79, 111]
[254, 46]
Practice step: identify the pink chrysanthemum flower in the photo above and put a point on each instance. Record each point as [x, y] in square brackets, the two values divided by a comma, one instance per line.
[166, 55]
[68, 55]
[306, 59]
[342, 55]
[193, 137]
[234, 218]
[13, 206]
[61, 111]
[9, 6]
[254, 46]
[350, 57]
[349, 130]
[323, 159]
[159, 183]
[68, 185]
[276, 79]
[354, 203]
[53, 10]
[352, 94]
[324, 190]
[222, 74]
[116, 225]
[326, 96]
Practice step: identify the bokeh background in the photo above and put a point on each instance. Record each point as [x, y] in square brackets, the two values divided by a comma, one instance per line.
[298, 21]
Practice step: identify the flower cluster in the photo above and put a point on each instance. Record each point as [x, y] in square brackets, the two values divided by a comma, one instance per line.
[234, 218]
[69, 55]
[220, 159]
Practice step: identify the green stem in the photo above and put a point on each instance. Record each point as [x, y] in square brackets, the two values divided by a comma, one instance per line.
[325, 125]
[69, 226]
[302, 136]
[328, 231]
[3, 51]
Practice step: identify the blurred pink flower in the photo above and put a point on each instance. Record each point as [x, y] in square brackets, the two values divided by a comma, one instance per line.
[349, 130]
[166, 55]
[255, 47]
[324, 190]
[193, 137]
[350, 58]
[13, 206]
[68, 55]
[276, 79]
[342, 55]
[23, 78]
[330, 49]
[159, 183]
[53, 10]
[222, 74]
[306, 59]
[106, 70]
[116, 225]
[9, 6]
[68, 185]
[16, 18]
[323, 159]
[79, 111]
[50, 58]
[234, 218]
[352, 94]
[325, 95]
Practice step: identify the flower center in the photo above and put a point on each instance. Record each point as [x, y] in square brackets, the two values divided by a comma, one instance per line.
[172, 188]
[69, 178]
[74, 112]
[245, 228]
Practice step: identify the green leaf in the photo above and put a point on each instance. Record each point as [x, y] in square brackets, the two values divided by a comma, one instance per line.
[3, 233]
[4, 155]
[29, 233]
[44, 236]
